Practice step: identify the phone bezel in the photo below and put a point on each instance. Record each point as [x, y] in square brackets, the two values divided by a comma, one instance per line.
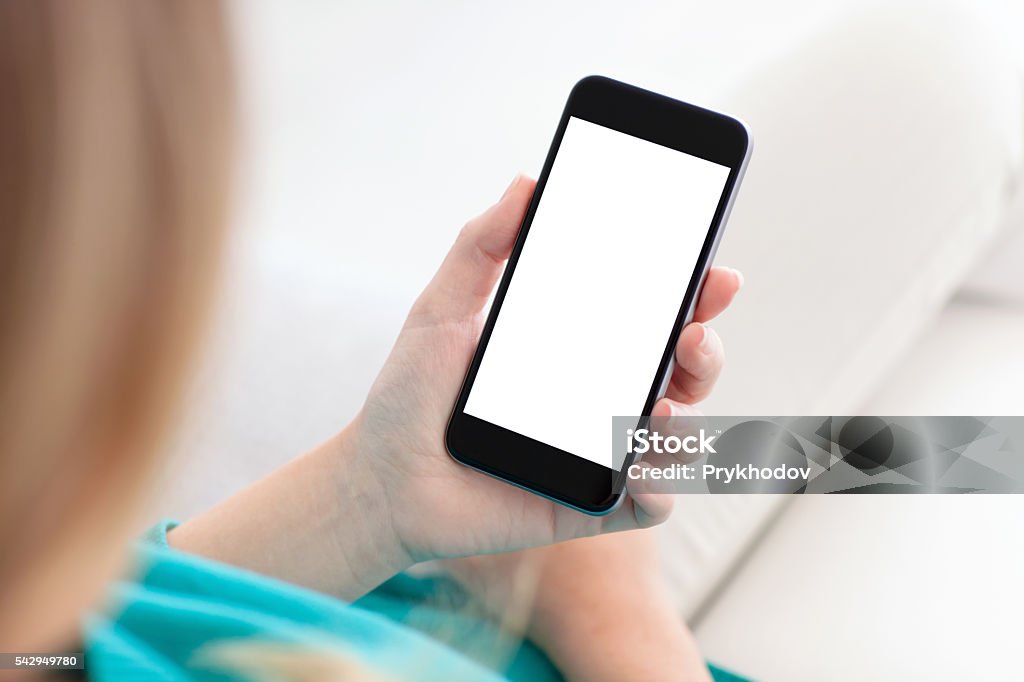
[538, 467]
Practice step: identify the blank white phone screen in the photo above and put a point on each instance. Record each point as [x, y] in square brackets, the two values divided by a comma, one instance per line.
[597, 288]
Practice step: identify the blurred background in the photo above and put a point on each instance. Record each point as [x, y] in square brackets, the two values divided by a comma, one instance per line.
[880, 229]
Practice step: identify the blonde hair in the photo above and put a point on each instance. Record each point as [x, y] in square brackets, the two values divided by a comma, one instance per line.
[115, 144]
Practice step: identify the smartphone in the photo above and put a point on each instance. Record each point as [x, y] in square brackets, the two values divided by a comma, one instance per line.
[605, 273]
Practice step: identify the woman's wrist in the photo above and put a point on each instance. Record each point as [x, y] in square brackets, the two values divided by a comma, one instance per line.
[321, 521]
[362, 511]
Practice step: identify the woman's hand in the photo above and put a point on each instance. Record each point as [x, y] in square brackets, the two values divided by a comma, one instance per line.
[438, 508]
[384, 494]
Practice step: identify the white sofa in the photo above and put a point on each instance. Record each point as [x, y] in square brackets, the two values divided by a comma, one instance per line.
[893, 587]
[876, 229]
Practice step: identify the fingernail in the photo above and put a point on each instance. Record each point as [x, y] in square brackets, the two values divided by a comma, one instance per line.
[515, 181]
[705, 344]
[739, 276]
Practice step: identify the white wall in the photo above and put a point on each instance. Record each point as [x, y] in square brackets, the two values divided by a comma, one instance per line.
[375, 130]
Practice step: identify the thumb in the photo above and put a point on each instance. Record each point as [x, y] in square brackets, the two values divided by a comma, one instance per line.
[469, 272]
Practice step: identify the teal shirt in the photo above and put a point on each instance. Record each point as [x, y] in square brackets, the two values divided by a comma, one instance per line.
[165, 624]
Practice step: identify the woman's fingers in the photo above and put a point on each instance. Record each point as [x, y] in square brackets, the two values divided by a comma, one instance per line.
[719, 289]
[699, 352]
[643, 507]
[651, 509]
[699, 359]
[667, 407]
[469, 272]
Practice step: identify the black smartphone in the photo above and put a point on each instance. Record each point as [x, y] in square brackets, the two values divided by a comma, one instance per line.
[605, 273]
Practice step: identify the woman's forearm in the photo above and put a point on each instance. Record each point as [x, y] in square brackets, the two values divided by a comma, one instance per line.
[641, 642]
[320, 521]
[603, 612]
